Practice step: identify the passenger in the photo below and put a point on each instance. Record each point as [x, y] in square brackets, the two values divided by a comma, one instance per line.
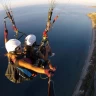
[13, 47]
[33, 52]
[16, 61]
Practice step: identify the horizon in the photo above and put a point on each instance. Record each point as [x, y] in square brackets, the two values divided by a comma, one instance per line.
[22, 3]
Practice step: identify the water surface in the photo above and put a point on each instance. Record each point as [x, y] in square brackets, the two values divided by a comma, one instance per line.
[70, 39]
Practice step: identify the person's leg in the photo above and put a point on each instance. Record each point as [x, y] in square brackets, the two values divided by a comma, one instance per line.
[50, 52]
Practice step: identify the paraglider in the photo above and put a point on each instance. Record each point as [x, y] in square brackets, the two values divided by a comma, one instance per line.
[26, 73]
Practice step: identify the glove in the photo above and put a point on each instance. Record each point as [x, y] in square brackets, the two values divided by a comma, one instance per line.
[49, 72]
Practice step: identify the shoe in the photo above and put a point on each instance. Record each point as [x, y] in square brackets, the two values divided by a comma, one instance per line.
[53, 54]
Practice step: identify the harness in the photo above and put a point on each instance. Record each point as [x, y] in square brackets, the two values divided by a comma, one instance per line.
[16, 74]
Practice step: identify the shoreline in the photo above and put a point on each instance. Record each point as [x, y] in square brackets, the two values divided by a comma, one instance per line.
[84, 71]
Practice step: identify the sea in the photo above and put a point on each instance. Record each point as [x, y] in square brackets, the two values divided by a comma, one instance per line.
[70, 39]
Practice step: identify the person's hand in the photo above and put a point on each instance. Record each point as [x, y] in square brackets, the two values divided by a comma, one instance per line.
[49, 72]
[53, 68]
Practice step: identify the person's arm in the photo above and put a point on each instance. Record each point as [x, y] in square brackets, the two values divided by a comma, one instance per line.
[29, 66]
[24, 64]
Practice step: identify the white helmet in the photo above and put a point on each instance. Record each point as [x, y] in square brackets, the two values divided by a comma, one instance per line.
[12, 44]
[30, 39]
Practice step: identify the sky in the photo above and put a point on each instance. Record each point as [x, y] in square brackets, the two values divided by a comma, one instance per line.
[19, 3]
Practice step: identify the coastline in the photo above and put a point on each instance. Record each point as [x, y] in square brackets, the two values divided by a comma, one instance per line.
[77, 91]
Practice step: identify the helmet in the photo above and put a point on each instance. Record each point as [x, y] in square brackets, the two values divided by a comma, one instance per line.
[12, 44]
[30, 40]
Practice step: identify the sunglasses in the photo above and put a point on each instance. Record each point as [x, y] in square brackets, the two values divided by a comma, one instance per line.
[18, 48]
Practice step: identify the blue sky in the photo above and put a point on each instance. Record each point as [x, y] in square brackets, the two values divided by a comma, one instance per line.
[18, 3]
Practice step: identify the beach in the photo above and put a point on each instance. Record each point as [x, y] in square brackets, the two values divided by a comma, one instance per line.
[77, 90]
